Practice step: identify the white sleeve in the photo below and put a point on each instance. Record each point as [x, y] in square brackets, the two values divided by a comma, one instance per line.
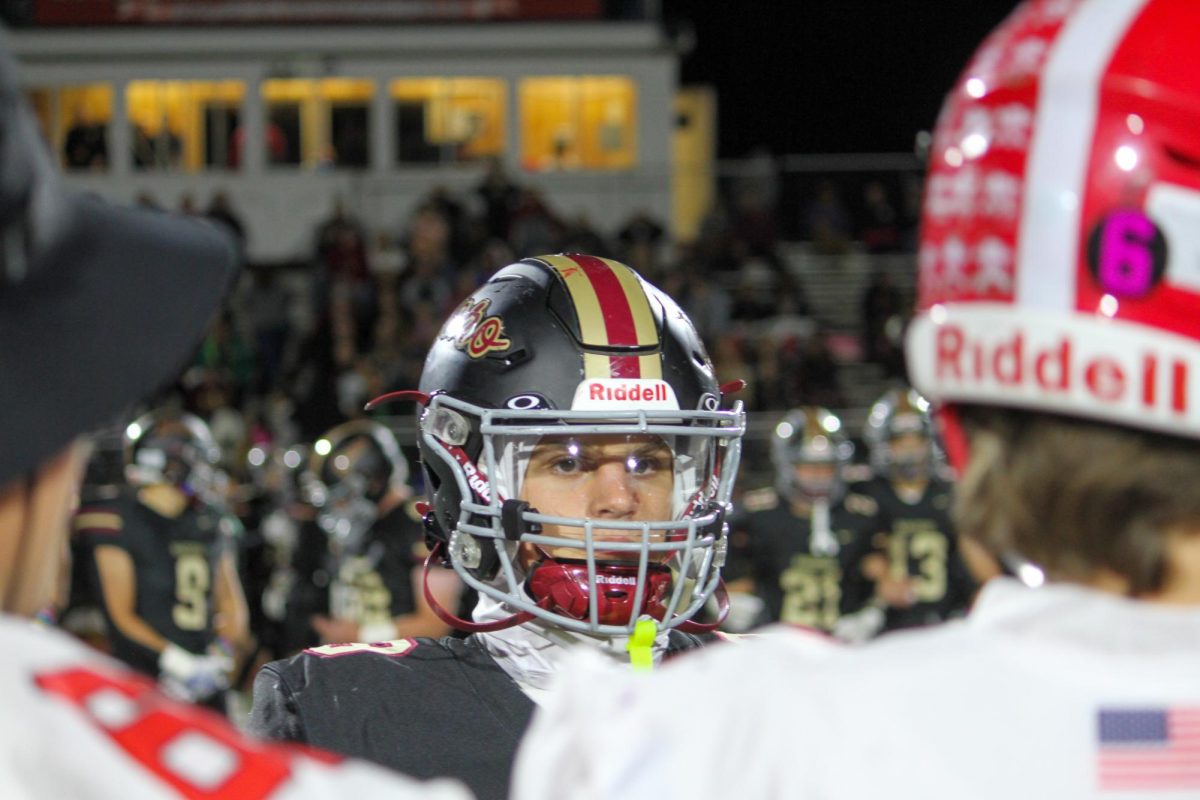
[79, 725]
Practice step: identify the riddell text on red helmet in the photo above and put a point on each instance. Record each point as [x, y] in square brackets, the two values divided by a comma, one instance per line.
[1062, 365]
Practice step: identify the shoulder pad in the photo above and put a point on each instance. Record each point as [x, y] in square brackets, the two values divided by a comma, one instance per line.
[760, 499]
[861, 504]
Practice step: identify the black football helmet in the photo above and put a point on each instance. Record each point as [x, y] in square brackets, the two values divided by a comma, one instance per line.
[810, 435]
[576, 348]
[169, 446]
[900, 412]
[350, 468]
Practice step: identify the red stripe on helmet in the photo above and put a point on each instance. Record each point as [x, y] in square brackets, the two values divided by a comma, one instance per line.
[618, 318]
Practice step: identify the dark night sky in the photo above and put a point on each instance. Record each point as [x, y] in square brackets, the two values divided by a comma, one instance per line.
[835, 76]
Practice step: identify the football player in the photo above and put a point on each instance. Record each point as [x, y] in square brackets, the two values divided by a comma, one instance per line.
[358, 565]
[579, 464]
[920, 577]
[1058, 332]
[163, 562]
[793, 541]
[98, 305]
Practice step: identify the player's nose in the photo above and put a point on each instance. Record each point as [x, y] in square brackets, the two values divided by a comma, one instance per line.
[613, 493]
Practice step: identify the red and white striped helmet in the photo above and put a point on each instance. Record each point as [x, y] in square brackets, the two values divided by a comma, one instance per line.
[1059, 265]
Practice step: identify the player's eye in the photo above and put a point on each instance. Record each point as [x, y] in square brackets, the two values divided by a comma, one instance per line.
[566, 465]
[645, 463]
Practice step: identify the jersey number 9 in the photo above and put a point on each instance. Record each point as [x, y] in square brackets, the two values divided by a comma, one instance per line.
[192, 582]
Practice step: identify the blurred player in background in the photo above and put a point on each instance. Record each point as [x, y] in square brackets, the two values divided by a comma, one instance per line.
[793, 544]
[1058, 328]
[98, 305]
[579, 467]
[163, 563]
[80, 612]
[920, 577]
[276, 512]
[358, 562]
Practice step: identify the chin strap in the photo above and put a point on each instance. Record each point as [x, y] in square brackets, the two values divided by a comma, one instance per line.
[691, 626]
[453, 621]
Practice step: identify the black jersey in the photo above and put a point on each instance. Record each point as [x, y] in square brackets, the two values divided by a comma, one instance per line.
[920, 544]
[175, 565]
[428, 708]
[374, 584]
[371, 585]
[800, 583]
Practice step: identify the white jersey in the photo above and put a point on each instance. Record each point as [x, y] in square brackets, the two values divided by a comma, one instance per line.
[76, 724]
[1057, 692]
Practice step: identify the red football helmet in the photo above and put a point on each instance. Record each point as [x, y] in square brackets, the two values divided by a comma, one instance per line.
[1058, 264]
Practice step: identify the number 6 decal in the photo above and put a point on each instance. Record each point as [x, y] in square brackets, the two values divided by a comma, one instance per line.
[1127, 253]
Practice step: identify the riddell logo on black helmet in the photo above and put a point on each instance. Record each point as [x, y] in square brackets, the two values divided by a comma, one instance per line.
[631, 393]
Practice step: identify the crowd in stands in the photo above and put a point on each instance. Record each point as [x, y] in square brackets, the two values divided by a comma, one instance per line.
[301, 348]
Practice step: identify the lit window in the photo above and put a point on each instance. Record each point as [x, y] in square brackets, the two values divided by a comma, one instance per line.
[75, 120]
[318, 123]
[578, 123]
[448, 119]
[184, 125]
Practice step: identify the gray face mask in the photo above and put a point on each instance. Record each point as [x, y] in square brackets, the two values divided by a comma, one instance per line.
[815, 490]
[346, 516]
[910, 468]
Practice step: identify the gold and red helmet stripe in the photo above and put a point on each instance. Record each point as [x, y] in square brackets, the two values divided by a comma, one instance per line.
[613, 312]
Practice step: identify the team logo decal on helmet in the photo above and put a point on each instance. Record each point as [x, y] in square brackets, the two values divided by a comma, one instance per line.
[1057, 266]
[599, 368]
[477, 335]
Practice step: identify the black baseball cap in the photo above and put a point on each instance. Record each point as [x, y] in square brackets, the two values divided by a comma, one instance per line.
[99, 304]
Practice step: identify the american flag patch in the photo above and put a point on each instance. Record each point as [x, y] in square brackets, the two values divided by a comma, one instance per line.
[1149, 748]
